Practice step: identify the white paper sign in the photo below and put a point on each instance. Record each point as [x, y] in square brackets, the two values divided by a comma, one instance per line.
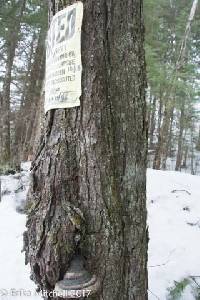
[63, 59]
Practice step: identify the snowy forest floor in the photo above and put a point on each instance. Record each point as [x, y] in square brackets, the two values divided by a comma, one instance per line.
[174, 229]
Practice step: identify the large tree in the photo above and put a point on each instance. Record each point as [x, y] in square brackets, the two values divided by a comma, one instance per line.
[89, 174]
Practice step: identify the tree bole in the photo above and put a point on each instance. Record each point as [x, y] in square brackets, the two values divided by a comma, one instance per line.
[89, 175]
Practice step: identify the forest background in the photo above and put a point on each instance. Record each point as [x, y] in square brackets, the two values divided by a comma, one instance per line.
[173, 72]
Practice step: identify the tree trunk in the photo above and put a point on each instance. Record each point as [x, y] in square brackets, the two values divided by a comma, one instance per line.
[89, 174]
[157, 157]
[33, 98]
[167, 140]
[20, 115]
[162, 144]
[152, 124]
[185, 156]
[198, 141]
[180, 140]
[170, 152]
[26, 125]
[192, 147]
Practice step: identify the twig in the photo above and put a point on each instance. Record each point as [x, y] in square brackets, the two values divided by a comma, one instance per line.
[193, 278]
[174, 191]
[194, 224]
[154, 294]
[163, 264]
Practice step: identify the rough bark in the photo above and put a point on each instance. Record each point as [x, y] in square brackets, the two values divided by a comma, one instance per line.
[89, 175]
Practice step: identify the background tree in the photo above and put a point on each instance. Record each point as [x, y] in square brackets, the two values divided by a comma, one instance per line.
[18, 62]
[90, 170]
[11, 41]
[172, 41]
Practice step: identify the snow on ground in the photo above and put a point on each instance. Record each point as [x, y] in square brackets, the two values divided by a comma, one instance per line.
[174, 229]
[14, 275]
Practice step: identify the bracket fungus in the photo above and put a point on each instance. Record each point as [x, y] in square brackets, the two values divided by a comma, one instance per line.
[77, 282]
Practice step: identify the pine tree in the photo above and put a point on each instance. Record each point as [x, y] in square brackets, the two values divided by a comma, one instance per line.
[90, 170]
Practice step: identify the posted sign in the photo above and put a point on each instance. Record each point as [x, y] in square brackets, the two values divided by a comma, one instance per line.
[63, 59]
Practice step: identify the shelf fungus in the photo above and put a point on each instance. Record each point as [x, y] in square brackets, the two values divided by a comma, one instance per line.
[77, 282]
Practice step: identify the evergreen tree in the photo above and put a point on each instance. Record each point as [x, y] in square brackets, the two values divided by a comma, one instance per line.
[90, 171]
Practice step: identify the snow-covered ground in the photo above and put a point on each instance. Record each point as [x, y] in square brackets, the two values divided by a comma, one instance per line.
[14, 275]
[174, 229]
